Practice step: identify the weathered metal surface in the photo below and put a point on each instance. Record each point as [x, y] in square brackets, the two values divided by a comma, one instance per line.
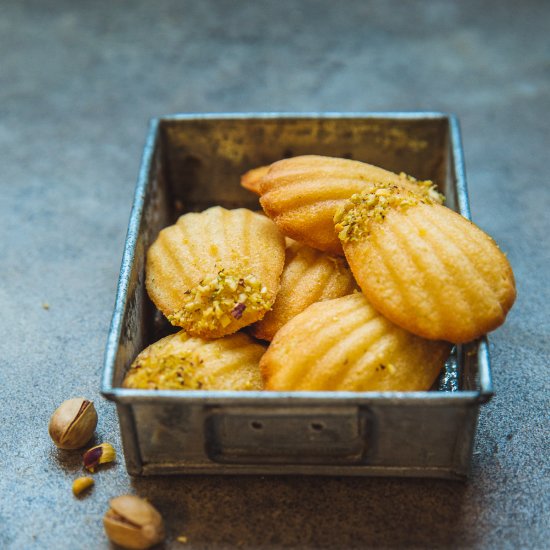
[191, 162]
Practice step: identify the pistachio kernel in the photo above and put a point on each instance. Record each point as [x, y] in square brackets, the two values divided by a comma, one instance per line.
[80, 484]
[100, 454]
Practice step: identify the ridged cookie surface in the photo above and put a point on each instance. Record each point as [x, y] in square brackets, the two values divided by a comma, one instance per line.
[216, 271]
[309, 276]
[345, 344]
[425, 267]
[301, 194]
[182, 362]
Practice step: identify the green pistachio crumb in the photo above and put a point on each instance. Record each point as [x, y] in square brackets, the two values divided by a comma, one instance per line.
[220, 299]
[426, 188]
[353, 219]
[180, 371]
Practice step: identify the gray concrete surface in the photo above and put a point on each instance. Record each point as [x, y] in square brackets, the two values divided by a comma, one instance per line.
[78, 82]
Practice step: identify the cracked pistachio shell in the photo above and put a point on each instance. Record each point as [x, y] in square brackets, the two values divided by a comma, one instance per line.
[73, 423]
[132, 522]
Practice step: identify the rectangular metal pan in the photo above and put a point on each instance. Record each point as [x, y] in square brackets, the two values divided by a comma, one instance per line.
[191, 162]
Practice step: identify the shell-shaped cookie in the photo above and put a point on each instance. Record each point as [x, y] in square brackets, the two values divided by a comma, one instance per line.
[345, 344]
[251, 180]
[302, 194]
[182, 362]
[309, 276]
[425, 267]
[216, 271]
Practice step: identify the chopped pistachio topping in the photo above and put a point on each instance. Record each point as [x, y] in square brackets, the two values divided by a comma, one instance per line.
[372, 205]
[218, 300]
[425, 188]
[172, 372]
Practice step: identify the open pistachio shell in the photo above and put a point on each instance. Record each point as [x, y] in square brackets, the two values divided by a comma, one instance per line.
[132, 522]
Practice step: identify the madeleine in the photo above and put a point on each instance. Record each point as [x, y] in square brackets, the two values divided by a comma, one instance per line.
[425, 267]
[309, 276]
[252, 179]
[345, 344]
[217, 271]
[302, 194]
[182, 362]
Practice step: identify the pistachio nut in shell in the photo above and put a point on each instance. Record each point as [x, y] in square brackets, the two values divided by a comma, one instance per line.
[73, 423]
[132, 522]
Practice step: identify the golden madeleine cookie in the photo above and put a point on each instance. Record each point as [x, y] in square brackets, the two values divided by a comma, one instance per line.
[302, 194]
[216, 271]
[345, 344]
[309, 276]
[183, 362]
[251, 180]
[423, 266]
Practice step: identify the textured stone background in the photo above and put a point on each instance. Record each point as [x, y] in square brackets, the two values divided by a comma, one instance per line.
[78, 82]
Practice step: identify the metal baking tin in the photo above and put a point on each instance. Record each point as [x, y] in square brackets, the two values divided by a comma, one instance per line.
[193, 161]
